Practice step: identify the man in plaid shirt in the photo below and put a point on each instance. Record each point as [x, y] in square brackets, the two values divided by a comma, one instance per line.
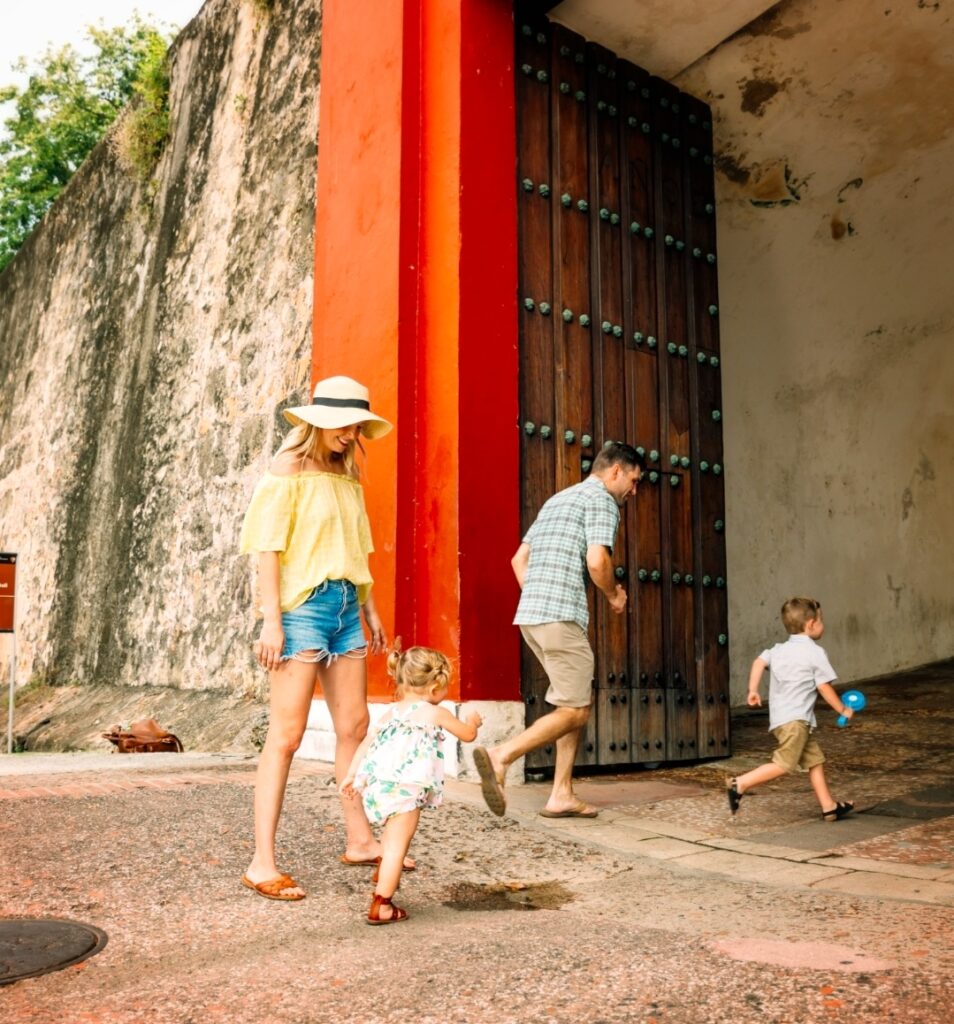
[571, 540]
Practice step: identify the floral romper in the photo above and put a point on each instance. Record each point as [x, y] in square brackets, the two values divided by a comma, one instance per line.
[403, 768]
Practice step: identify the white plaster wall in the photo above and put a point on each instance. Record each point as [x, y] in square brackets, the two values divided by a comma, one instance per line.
[838, 326]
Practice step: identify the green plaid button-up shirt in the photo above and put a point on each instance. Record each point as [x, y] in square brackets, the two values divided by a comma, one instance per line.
[554, 588]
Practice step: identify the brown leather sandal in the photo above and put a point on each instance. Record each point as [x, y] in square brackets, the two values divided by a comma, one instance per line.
[272, 889]
[370, 862]
[374, 912]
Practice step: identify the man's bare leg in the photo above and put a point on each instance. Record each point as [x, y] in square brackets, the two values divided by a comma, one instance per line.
[562, 797]
[555, 727]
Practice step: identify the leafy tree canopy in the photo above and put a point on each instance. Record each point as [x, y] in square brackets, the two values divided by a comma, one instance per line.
[68, 102]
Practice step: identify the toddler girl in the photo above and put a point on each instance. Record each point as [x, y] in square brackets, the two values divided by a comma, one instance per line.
[399, 768]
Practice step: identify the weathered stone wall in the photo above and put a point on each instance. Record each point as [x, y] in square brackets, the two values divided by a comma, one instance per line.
[836, 239]
[148, 337]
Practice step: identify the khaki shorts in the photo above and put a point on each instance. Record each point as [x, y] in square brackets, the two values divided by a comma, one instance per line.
[796, 747]
[563, 649]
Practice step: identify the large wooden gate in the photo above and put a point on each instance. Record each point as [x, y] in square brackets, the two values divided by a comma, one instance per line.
[619, 339]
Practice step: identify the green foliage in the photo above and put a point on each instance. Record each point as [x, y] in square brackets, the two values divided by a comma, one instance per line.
[68, 103]
[142, 134]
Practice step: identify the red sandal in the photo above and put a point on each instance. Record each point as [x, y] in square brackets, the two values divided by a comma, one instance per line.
[374, 912]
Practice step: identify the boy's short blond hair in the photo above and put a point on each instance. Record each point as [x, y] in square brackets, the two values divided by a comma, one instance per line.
[797, 611]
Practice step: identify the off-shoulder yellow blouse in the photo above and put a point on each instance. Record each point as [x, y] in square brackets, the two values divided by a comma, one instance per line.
[318, 524]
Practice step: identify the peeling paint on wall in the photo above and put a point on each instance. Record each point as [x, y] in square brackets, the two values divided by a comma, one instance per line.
[757, 92]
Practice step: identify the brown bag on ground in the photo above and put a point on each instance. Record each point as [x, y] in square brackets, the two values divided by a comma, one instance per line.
[143, 737]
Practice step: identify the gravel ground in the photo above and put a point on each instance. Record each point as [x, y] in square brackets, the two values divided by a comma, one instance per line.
[507, 924]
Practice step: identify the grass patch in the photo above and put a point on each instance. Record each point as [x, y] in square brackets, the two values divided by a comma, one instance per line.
[141, 132]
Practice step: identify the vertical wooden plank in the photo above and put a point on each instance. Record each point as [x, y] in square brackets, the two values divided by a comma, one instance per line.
[575, 435]
[642, 353]
[537, 363]
[614, 416]
[676, 420]
[711, 649]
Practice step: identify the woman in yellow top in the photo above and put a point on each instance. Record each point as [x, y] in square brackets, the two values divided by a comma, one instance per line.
[308, 526]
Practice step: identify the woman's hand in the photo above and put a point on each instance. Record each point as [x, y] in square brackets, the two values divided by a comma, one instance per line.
[379, 639]
[268, 647]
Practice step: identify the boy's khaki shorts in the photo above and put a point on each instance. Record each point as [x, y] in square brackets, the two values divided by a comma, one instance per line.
[564, 651]
[796, 747]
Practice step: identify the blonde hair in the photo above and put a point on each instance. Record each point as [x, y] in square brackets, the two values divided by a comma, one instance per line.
[419, 668]
[302, 442]
[797, 611]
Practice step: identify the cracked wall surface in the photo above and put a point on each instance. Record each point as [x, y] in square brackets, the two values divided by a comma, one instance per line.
[148, 340]
[835, 129]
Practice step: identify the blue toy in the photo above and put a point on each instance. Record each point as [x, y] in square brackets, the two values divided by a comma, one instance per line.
[855, 700]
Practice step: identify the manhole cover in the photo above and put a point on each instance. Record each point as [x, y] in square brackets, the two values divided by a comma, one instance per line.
[30, 947]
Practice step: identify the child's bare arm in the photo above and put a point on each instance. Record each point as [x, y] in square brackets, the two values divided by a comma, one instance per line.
[464, 730]
[755, 678]
[346, 786]
[827, 691]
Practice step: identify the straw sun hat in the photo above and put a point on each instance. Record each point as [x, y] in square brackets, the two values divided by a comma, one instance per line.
[339, 402]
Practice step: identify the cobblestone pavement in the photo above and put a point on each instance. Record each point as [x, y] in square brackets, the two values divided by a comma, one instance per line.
[661, 910]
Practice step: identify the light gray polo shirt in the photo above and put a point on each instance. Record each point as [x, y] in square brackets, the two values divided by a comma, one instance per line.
[797, 668]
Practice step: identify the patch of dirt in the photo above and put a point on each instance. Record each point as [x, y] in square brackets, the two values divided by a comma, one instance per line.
[508, 896]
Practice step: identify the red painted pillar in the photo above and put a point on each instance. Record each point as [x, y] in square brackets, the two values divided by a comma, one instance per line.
[415, 295]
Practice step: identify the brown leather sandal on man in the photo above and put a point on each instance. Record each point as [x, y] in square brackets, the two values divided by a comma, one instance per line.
[374, 912]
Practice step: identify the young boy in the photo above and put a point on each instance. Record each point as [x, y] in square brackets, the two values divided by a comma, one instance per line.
[799, 671]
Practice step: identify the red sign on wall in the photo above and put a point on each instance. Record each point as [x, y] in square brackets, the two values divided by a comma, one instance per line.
[8, 589]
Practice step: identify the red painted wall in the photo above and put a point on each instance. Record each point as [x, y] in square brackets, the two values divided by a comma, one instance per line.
[357, 236]
[489, 481]
[415, 295]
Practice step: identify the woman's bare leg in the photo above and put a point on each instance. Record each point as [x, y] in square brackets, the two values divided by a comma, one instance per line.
[345, 686]
[291, 687]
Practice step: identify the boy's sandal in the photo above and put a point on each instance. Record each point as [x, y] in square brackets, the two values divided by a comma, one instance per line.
[374, 913]
[839, 811]
[273, 888]
[733, 795]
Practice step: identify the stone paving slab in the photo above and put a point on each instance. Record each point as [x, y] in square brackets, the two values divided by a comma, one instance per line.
[823, 836]
[749, 868]
[761, 849]
[663, 848]
[923, 804]
[929, 843]
[883, 867]
[670, 829]
[863, 883]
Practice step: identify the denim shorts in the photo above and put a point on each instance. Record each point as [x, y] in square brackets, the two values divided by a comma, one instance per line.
[327, 622]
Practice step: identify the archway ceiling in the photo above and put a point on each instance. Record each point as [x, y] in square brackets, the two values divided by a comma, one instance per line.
[662, 36]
